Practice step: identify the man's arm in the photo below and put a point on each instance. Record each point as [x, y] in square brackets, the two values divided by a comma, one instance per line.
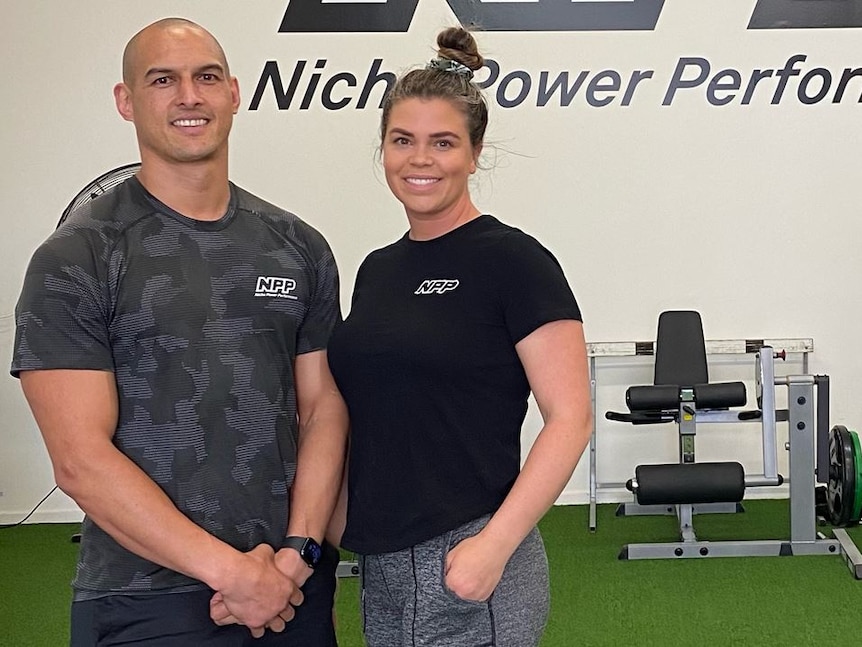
[77, 413]
[320, 456]
[316, 486]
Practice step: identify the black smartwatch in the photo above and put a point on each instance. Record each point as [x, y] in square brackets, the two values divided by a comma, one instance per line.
[307, 548]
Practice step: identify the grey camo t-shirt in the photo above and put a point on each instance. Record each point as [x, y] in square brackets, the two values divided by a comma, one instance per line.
[200, 322]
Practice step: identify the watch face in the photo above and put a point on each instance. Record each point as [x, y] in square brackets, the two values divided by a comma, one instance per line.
[312, 551]
[307, 547]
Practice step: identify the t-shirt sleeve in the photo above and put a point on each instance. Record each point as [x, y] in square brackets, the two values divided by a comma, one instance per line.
[61, 315]
[534, 289]
[324, 310]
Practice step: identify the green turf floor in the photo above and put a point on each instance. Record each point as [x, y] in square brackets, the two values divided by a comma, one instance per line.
[596, 599]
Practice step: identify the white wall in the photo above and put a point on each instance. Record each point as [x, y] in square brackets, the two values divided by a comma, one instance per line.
[744, 212]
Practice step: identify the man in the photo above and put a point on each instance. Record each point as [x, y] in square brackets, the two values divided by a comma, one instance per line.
[171, 342]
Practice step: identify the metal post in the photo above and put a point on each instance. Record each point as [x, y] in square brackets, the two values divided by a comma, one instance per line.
[801, 438]
[766, 367]
[593, 478]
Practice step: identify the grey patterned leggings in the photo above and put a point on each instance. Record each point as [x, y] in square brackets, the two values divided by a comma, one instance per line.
[405, 602]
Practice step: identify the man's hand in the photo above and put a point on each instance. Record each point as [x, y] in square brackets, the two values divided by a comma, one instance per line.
[259, 595]
[291, 564]
[221, 616]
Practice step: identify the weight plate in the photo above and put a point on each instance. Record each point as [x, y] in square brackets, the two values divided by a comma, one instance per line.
[841, 487]
[857, 463]
[821, 507]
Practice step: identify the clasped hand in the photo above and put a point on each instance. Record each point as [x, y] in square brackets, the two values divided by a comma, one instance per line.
[264, 593]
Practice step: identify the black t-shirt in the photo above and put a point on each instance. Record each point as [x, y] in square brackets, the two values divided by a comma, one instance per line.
[200, 322]
[437, 395]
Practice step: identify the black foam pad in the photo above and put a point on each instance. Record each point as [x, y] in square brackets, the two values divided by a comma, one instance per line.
[675, 483]
[652, 398]
[719, 395]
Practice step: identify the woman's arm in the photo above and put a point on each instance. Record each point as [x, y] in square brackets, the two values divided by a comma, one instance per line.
[554, 357]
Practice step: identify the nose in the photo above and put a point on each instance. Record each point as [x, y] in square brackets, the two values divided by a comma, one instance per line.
[420, 155]
[187, 92]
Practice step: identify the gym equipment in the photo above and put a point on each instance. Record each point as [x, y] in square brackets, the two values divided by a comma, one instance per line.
[844, 487]
[842, 495]
[687, 487]
[681, 388]
[347, 569]
[601, 352]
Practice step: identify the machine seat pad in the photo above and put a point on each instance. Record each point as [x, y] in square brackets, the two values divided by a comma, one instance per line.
[679, 483]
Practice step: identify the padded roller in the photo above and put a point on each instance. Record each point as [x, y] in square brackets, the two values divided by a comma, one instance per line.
[652, 398]
[719, 395]
[678, 483]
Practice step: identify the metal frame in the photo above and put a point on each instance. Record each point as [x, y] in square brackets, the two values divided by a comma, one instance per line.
[347, 569]
[598, 350]
[850, 552]
[802, 445]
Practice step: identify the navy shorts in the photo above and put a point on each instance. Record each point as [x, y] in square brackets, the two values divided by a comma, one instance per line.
[183, 619]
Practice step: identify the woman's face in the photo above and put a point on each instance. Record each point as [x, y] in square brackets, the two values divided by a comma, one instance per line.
[428, 157]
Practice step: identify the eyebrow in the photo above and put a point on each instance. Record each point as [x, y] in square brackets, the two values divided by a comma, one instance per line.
[446, 133]
[211, 67]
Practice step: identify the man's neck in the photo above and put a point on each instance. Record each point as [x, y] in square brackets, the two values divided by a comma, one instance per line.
[198, 191]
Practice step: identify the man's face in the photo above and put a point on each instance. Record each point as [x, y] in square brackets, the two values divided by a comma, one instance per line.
[179, 95]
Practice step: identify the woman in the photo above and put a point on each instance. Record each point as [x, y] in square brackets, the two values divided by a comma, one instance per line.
[451, 328]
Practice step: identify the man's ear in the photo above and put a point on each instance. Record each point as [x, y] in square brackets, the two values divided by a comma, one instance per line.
[234, 89]
[123, 99]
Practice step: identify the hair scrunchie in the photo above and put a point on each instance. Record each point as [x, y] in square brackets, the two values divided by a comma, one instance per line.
[448, 65]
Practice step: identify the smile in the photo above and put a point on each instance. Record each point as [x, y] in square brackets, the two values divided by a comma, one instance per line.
[190, 122]
[421, 181]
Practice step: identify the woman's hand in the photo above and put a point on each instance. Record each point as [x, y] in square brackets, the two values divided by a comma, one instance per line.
[474, 568]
